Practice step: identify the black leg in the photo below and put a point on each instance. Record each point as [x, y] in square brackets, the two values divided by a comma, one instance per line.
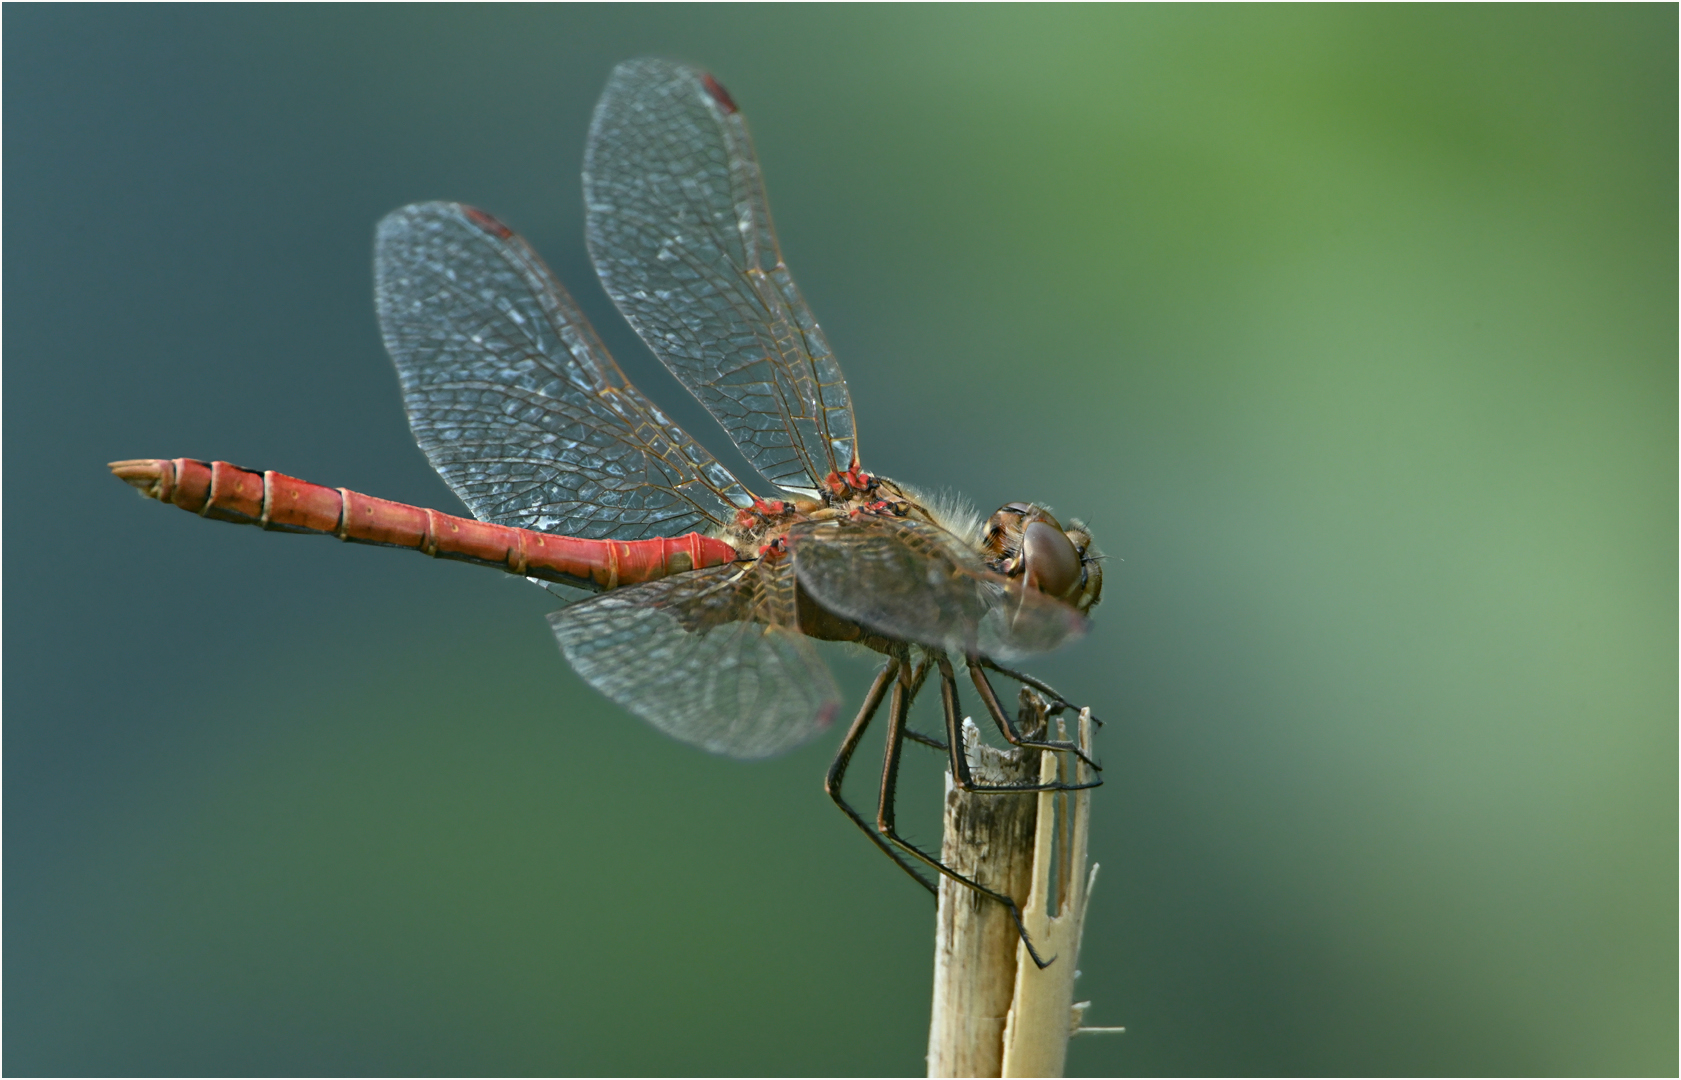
[888, 677]
[889, 785]
[960, 761]
[917, 679]
[1007, 726]
[925, 740]
[1027, 680]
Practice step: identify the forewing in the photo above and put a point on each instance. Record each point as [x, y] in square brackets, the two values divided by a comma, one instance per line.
[712, 657]
[681, 236]
[513, 398]
[916, 582]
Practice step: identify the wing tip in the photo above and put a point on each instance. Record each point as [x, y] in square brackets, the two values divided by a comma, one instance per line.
[485, 221]
[716, 91]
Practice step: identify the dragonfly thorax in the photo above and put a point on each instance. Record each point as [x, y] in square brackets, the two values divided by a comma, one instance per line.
[848, 494]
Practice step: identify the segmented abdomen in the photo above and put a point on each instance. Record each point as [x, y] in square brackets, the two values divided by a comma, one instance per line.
[273, 500]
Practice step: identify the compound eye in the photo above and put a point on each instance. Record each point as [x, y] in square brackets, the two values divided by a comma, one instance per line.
[1053, 566]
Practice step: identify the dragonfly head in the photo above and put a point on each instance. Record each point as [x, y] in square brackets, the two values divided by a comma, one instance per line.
[1023, 540]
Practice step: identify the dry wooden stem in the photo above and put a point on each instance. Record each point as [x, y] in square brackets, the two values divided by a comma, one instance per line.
[989, 839]
[1043, 1013]
[996, 1013]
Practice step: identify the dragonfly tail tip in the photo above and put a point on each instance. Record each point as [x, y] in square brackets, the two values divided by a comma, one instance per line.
[142, 474]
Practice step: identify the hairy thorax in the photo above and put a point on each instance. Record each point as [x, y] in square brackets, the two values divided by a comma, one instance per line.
[1020, 542]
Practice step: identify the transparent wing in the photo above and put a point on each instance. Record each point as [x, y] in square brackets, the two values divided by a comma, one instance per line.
[916, 582]
[513, 398]
[712, 657]
[681, 236]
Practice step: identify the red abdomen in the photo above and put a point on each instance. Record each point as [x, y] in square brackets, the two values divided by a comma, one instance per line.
[274, 501]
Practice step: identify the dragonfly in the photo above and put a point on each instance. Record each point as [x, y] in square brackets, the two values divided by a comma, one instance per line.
[704, 597]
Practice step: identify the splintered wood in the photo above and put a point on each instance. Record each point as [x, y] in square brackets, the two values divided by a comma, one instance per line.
[996, 1013]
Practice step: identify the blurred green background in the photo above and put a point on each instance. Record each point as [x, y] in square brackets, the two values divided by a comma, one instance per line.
[1352, 332]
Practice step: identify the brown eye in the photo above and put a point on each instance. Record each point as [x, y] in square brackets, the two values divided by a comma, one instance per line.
[1053, 566]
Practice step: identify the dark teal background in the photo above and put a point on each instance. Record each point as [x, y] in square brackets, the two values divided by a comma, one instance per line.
[1352, 332]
